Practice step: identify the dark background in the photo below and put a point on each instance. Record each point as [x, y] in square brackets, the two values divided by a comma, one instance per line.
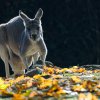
[71, 28]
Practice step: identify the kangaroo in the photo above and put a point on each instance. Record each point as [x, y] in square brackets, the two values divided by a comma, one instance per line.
[22, 39]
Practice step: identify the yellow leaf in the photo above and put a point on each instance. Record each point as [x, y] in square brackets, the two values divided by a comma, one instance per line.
[1, 81]
[57, 76]
[5, 93]
[61, 92]
[37, 76]
[81, 70]
[46, 83]
[89, 96]
[81, 96]
[19, 78]
[98, 93]
[49, 94]
[78, 88]
[32, 94]
[4, 86]
[94, 97]
[76, 79]
[75, 67]
[18, 97]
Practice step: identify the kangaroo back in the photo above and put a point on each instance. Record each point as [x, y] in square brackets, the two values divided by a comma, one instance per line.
[15, 29]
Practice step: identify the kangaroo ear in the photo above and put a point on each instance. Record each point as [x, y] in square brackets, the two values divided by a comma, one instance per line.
[39, 14]
[23, 16]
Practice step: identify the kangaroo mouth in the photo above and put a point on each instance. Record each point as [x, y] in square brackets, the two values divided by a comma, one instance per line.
[34, 37]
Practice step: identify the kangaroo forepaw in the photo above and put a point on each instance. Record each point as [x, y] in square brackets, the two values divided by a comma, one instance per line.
[48, 63]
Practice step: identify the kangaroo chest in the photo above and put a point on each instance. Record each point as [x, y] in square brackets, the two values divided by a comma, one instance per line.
[28, 47]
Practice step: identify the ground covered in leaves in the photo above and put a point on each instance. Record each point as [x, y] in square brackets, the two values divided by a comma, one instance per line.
[54, 83]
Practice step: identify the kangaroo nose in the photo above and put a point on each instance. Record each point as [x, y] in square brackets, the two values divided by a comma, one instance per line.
[34, 36]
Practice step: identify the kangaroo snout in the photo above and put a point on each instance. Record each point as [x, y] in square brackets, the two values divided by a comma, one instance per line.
[34, 36]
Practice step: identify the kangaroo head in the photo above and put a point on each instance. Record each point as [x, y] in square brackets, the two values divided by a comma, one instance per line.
[33, 27]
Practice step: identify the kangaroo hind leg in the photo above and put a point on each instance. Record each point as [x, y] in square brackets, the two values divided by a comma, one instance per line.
[4, 54]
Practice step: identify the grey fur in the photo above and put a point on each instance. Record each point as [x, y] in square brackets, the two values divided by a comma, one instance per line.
[21, 41]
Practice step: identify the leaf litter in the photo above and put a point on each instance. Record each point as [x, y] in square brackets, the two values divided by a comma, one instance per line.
[54, 83]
